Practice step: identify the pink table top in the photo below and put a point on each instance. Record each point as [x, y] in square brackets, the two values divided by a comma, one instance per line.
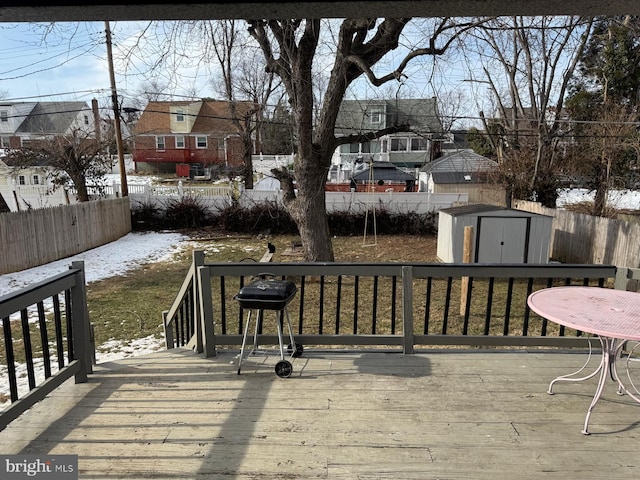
[600, 311]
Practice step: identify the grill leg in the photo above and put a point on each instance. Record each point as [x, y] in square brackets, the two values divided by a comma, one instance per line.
[258, 329]
[293, 343]
[244, 342]
[279, 325]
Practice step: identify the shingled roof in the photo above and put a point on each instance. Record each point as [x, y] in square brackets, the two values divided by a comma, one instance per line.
[382, 171]
[208, 116]
[355, 116]
[461, 167]
[51, 117]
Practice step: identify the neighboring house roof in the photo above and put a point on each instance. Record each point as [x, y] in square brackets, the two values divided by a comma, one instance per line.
[156, 117]
[382, 171]
[205, 117]
[51, 117]
[460, 167]
[457, 177]
[456, 140]
[16, 113]
[461, 162]
[357, 116]
[38, 161]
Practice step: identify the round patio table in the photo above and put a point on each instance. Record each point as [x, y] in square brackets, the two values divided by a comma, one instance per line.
[612, 315]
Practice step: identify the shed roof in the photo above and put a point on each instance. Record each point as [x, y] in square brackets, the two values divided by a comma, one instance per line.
[481, 208]
[441, 178]
[464, 161]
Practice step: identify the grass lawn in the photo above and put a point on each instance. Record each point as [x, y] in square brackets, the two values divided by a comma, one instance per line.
[131, 306]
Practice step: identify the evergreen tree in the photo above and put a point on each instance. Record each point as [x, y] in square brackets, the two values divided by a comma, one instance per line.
[604, 103]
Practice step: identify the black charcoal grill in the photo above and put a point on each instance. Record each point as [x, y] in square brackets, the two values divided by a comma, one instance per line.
[269, 293]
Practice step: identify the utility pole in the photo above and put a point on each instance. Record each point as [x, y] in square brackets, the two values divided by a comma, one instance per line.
[116, 112]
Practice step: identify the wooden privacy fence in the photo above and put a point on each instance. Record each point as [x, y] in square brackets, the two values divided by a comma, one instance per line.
[580, 238]
[36, 237]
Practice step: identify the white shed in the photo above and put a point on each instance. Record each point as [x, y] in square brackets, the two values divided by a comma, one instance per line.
[500, 235]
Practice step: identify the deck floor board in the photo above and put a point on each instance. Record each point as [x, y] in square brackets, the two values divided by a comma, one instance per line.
[342, 415]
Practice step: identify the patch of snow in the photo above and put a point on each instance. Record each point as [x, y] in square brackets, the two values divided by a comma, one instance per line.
[115, 258]
[620, 199]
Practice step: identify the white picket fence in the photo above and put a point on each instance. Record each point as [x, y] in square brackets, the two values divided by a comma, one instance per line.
[216, 197]
[355, 202]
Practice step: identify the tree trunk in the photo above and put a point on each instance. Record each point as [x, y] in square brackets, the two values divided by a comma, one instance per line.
[307, 206]
[247, 150]
[600, 198]
[82, 194]
[313, 226]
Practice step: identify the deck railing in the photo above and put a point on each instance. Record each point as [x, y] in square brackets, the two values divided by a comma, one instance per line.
[385, 304]
[46, 331]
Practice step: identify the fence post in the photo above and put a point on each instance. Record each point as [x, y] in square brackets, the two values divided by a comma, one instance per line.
[206, 311]
[467, 249]
[407, 309]
[198, 261]
[169, 341]
[83, 348]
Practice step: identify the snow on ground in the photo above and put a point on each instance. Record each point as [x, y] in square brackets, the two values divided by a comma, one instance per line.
[620, 199]
[115, 258]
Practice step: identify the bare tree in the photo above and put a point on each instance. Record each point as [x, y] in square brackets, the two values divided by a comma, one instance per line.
[528, 62]
[218, 50]
[242, 77]
[75, 159]
[290, 48]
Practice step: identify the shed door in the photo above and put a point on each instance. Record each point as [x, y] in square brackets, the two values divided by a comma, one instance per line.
[502, 240]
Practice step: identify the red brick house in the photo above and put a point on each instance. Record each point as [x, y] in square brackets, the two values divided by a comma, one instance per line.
[177, 136]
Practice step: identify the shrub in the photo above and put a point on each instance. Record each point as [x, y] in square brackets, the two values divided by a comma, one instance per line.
[187, 212]
[387, 223]
[146, 216]
[265, 217]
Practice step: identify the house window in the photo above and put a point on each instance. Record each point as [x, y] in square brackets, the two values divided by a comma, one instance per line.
[376, 117]
[419, 144]
[201, 142]
[180, 141]
[160, 143]
[4, 142]
[22, 180]
[26, 143]
[179, 115]
[36, 179]
[4, 115]
[86, 119]
[399, 144]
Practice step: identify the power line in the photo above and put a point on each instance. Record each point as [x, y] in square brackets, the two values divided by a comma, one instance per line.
[100, 90]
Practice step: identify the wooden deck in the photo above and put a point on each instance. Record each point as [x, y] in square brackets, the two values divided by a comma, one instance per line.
[432, 415]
